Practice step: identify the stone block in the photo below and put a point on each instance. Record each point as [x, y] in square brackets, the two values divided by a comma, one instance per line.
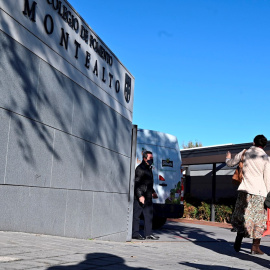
[55, 98]
[79, 214]
[32, 209]
[96, 122]
[19, 69]
[86, 110]
[4, 133]
[102, 214]
[46, 211]
[67, 169]
[109, 214]
[119, 171]
[14, 208]
[105, 170]
[120, 212]
[30, 153]
[114, 131]
[123, 134]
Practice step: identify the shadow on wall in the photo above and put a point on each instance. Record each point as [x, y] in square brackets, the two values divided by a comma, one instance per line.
[54, 107]
[99, 260]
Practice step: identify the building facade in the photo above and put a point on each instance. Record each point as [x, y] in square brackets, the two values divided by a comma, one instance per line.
[66, 106]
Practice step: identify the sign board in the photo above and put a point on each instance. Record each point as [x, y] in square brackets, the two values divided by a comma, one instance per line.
[55, 32]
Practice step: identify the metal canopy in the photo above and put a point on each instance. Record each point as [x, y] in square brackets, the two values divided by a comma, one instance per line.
[213, 154]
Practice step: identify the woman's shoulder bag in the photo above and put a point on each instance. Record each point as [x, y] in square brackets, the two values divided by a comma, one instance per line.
[238, 174]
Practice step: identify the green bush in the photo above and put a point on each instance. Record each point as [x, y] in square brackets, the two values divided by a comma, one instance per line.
[195, 208]
[190, 211]
[204, 211]
[223, 213]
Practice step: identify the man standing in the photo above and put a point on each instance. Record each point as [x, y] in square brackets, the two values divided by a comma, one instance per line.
[143, 194]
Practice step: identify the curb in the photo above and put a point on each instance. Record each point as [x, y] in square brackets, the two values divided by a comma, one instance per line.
[201, 222]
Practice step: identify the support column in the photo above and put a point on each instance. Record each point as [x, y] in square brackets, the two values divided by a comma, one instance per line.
[131, 182]
[214, 179]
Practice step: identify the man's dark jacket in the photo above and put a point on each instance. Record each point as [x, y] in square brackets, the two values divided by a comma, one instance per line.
[144, 182]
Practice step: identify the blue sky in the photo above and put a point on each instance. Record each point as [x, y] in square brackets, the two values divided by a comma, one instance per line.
[201, 67]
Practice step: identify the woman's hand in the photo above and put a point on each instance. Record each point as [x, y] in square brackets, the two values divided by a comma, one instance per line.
[229, 155]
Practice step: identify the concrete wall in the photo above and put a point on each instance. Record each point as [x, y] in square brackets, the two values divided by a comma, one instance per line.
[65, 136]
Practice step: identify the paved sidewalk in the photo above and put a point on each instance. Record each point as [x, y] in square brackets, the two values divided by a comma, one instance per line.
[181, 246]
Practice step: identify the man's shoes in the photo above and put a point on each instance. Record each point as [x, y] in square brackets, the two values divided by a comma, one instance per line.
[138, 237]
[152, 237]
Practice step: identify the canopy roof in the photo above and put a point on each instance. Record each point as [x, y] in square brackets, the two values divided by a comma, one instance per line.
[213, 154]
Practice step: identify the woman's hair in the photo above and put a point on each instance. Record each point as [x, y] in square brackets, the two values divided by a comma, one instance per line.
[260, 140]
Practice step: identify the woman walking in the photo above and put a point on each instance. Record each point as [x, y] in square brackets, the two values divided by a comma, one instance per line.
[249, 216]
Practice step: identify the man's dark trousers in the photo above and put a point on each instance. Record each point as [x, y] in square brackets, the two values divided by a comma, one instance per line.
[147, 211]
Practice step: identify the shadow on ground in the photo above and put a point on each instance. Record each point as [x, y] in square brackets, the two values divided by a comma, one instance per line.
[207, 267]
[98, 261]
[208, 240]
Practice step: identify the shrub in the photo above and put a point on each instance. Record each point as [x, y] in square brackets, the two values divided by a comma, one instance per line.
[204, 211]
[223, 213]
[195, 208]
[190, 211]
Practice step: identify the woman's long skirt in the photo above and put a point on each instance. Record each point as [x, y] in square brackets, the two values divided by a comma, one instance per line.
[249, 216]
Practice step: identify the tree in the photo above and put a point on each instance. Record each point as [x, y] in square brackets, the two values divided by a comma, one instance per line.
[190, 144]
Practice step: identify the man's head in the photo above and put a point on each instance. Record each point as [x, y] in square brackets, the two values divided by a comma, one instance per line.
[148, 157]
[260, 141]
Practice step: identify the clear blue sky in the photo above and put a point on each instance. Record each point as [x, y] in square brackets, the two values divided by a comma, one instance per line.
[201, 67]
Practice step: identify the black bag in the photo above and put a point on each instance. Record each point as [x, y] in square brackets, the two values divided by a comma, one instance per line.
[267, 201]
